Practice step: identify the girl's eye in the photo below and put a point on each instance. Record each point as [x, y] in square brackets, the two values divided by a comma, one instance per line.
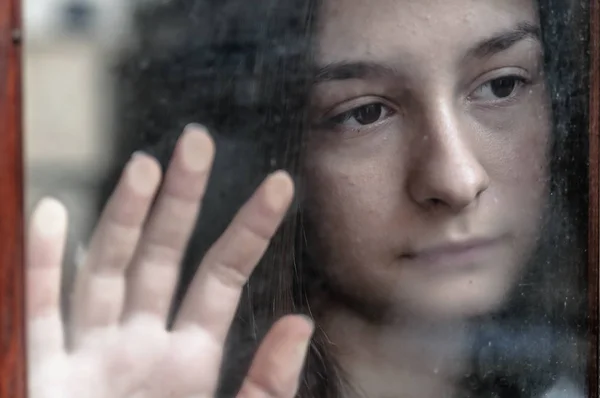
[497, 89]
[362, 116]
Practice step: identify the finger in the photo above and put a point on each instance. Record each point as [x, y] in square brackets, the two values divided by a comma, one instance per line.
[275, 371]
[45, 249]
[213, 296]
[155, 268]
[100, 286]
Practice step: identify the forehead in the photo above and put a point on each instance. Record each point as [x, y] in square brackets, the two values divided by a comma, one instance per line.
[355, 29]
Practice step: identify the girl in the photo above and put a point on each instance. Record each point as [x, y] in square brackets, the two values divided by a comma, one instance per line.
[435, 238]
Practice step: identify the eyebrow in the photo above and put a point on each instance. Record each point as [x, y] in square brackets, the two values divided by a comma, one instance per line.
[366, 69]
[505, 40]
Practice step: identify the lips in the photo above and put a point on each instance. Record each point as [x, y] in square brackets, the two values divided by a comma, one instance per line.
[455, 253]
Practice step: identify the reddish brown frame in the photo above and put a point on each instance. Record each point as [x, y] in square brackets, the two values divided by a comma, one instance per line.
[12, 336]
[12, 326]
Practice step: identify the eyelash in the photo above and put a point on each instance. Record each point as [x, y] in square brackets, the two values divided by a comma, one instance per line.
[518, 83]
[382, 111]
[342, 119]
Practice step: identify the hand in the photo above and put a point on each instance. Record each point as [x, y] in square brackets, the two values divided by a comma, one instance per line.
[118, 345]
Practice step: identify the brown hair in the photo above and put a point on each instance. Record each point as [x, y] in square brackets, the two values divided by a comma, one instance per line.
[243, 69]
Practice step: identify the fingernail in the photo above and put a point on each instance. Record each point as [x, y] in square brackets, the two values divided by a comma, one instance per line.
[138, 154]
[196, 148]
[308, 319]
[143, 174]
[50, 218]
[279, 191]
[80, 255]
[302, 351]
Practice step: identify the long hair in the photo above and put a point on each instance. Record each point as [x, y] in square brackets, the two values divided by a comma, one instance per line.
[242, 68]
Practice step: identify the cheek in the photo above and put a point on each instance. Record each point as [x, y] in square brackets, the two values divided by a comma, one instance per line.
[523, 181]
[515, 143]
[350, 202]
[525, 160]
[515, 153]
[519, 172]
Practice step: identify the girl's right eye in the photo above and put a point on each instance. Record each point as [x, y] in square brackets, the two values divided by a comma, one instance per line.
[361, 116]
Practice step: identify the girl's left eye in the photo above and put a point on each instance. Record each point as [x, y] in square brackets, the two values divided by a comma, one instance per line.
[498, 89]
[362, 116]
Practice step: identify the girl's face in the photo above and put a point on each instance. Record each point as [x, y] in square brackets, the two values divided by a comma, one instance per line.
[426, 166]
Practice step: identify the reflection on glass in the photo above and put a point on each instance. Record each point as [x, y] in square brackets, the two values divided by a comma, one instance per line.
[437, 233]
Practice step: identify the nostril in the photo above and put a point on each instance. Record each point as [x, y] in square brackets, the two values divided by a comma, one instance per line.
[78, 16]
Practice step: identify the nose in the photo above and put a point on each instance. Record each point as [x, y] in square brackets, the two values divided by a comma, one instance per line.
[79, 16]
[446, 170]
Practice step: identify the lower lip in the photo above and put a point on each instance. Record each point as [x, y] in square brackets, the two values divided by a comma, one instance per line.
[469, 257]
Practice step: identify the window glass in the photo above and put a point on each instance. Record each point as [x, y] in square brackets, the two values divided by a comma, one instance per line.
[334, 198]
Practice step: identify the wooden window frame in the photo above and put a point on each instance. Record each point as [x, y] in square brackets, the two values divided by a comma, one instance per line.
[12, 283]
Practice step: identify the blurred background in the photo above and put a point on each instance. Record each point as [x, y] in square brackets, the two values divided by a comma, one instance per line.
[87, 106]
[71, 49]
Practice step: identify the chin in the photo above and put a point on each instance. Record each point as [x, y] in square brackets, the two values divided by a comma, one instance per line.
[459, 308]
[456, 301]
[414, 294]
